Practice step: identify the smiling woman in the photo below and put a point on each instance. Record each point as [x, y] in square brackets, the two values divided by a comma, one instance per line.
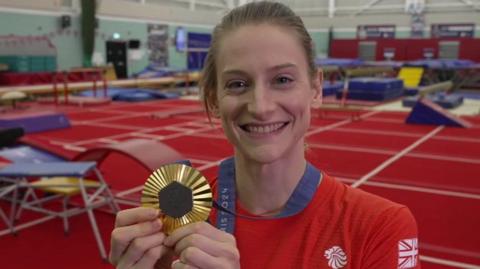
[276, 210]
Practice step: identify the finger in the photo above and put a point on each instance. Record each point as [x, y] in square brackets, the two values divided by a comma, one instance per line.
[209, 246]
[151, 256]
[177, 264]
[193, 256]
[199, 228]
[135, 215]
[122, 236]
[165, 262]
[139, 247]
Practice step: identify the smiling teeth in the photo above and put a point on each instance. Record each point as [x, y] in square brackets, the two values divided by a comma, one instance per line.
[264, 129]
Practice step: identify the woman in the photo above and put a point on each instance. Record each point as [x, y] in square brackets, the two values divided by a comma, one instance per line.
[261, 81]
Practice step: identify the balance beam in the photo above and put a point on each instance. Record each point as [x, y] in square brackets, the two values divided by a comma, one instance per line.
[442, 86]
[355, 112]
[367, 71]
[76, 86]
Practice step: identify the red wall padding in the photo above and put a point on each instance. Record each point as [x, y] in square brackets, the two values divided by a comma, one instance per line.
[344, 48]
[405, 49]
[398, 44]
[470, 49]
[415, 47]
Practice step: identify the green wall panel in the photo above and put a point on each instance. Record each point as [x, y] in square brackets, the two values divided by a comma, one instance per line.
[344, 34]
[66, 41]
[320, 40]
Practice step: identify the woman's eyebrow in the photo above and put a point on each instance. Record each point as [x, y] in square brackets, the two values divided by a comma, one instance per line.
[273, 68]
[233, 72]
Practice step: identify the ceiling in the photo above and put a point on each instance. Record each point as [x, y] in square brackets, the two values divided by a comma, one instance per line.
[330, 8]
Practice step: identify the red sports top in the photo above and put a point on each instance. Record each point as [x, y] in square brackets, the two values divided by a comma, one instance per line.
[342, 227]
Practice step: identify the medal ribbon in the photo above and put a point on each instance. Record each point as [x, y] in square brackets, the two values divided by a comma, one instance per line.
[300, 198]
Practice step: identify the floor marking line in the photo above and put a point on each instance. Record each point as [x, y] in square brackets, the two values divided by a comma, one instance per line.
[396, 157]
[449, 262]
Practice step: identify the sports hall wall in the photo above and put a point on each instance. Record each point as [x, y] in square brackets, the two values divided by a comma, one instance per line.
[44, 21]
[68, 41]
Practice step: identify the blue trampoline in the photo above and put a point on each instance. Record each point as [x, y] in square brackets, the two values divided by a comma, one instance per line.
[341, 62]
[442, 64]
[27, 154]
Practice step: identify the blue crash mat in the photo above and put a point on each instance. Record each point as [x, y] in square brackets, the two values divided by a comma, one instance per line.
[133, 95]
[74, 169]
[331, 88]
[27, 154]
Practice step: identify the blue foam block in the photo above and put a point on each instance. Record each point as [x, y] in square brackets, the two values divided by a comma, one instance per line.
[331, 88]
[375, 84]
[369, 95]
[410, 91]
[36, 122]
[448, 101]
[427, 112]
[470, 94]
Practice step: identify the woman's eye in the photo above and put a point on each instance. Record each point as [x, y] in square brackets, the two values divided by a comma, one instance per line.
[236, 85]
[283, 80]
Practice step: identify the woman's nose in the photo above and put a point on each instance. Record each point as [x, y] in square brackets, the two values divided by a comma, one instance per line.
[261, 103]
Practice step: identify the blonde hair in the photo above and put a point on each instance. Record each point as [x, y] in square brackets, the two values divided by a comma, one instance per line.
[253, 13]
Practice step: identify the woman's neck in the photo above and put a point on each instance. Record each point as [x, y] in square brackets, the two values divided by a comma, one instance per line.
[264, 188]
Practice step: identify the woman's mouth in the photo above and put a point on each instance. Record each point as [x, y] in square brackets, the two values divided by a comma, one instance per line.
[263, 129]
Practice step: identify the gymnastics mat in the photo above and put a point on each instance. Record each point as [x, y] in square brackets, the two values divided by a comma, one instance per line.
[427, 112]
[33, 122]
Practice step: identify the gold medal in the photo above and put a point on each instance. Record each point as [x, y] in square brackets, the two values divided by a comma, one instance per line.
[182, 194]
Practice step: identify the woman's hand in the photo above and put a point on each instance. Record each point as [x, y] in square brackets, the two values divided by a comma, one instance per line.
[137, 240]
[200, 245]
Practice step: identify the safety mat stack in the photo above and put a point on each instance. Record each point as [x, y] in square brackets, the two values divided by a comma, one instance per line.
[373, 89]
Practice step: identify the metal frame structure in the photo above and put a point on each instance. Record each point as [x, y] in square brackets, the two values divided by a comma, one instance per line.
[19, 176]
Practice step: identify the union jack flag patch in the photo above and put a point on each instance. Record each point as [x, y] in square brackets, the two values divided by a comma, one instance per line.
[407, 253]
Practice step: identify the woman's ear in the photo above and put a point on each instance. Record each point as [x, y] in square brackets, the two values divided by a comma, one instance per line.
[317, 87]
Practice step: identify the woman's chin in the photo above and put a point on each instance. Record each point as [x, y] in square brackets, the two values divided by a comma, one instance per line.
[263, 155]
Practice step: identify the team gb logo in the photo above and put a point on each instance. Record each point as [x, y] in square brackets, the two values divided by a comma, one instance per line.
[336, 257]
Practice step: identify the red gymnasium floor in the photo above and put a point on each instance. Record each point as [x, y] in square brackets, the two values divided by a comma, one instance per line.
[435, 171]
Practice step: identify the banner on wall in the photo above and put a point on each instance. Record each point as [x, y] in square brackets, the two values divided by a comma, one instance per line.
[157, 43]
[453, 30]
[376, 31]
[197, 47]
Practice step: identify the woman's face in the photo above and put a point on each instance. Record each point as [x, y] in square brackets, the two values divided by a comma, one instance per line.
[264, 91]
